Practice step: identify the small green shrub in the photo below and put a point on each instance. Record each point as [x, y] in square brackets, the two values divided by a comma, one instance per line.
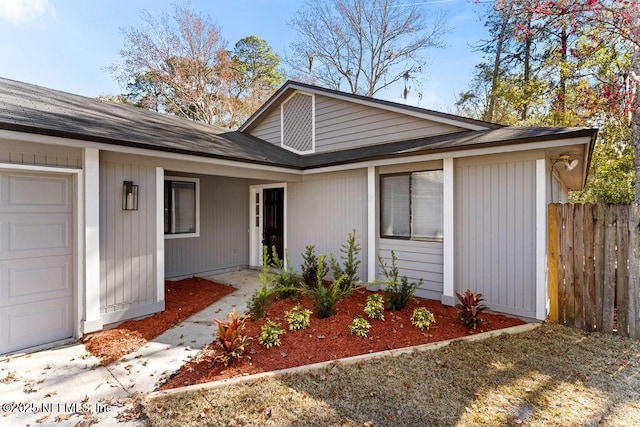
[231, 338]
[374, 308]
[261, 298]
[270, 334]
[324, 297]
[310, 267]
[297, 318]
[286, 283]
[469, 308]
[360, 327]
[422, 318]
[397, 293]
[350, 264]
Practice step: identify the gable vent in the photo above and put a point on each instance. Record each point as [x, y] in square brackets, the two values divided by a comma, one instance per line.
[298, 123]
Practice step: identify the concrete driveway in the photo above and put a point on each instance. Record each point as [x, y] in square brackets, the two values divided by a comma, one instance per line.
[65, 385]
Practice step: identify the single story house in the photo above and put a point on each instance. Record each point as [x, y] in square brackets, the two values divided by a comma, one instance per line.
[101, 202]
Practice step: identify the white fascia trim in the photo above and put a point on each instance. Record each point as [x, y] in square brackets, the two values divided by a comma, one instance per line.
[80, 143]
[399, 110]
[541, 239]
[313, 123]
[185, 179]
[91, 189]
[159, 240]
[371, 223]
[449, 227]
[449, 155]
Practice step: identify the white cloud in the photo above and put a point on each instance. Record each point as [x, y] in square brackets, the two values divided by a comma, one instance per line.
[26, 11]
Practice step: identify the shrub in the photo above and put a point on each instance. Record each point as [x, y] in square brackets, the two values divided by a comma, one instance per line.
[286, 283]
[270, 334]
[231, 338]
[422, 318]
[397, 293]
[359, 327]
[310, 267]
[324, 297]
[350, 264]
[298, 318]
[469, 308]
[374, 308]
[261, 298]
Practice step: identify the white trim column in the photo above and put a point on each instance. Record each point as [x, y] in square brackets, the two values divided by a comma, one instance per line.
[159, 226]
[541, 239]
[371, 223]
[92, 320]
[448, 195]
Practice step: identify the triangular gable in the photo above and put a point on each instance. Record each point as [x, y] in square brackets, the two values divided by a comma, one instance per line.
[308, 119]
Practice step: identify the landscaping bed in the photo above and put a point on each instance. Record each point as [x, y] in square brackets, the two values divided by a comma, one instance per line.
[330, 338]
[183, 298]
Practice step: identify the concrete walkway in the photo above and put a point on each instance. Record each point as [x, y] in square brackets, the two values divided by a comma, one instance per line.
[65, 385]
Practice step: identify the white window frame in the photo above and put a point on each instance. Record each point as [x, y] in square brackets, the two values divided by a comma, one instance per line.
[411, 231]
[197, 207]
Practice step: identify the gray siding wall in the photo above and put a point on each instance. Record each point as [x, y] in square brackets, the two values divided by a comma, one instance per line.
[224, 238]
[416, 260]
[40, 154]
[341, 125]
[269, 128]
[495, 228]
[322, 211]
[127, 251]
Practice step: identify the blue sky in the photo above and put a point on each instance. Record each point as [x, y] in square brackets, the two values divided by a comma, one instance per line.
[66, 44]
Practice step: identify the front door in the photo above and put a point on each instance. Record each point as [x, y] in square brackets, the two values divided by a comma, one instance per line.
[273, 220]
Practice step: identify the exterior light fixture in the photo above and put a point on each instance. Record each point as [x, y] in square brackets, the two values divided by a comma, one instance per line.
[569, 162]
[129, 196]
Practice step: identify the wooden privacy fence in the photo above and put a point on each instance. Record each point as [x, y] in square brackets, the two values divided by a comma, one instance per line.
[594, 267]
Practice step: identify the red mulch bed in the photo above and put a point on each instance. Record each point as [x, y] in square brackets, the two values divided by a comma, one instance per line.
[330, 338]
[183, 298]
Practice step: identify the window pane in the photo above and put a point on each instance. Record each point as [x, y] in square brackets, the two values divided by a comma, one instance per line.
[395, 206]
[426, 200]
[184, 205]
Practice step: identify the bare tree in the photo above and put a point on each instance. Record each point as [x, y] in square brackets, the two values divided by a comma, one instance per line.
[182, 61]
[366, 44]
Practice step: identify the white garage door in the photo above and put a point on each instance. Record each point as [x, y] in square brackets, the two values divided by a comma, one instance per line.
[36, 259]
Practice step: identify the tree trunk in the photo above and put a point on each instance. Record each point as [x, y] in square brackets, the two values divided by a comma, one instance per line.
[527, 70]
[635, 135]
[496, 64]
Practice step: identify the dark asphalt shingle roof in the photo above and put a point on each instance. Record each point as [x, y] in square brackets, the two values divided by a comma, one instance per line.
[34, 109]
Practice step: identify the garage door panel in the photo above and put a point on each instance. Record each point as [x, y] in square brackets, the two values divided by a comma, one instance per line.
[25, 280]
[36, 193]
[26, 325]
[35, 235]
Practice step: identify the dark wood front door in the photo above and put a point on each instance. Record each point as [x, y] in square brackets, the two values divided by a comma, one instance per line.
[273, 220]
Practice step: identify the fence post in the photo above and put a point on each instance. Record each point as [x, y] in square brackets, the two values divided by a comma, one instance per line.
[552, 261]
[578, 265]
[589, 269]
[599, 225]
[608, 298]
[622, 272]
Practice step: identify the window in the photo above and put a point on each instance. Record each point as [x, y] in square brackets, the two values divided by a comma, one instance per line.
[181, 207]
[412, 205]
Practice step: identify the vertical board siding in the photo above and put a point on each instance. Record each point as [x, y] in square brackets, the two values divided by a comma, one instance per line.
[126, 239]
[495, 233]
[341, 125]
[416, 260]
[322, 211]
[224, 238]
[40, 154]
[597, 266]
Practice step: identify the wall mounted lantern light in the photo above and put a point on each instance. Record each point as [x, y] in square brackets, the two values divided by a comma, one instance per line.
[569, 162]
[129, 196]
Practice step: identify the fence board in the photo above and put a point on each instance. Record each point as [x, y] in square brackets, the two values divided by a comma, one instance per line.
[594, 267]
[578, 266]
[599, 225]
[589, 269]
[634, 271]
[622, 273]
[608, 296]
